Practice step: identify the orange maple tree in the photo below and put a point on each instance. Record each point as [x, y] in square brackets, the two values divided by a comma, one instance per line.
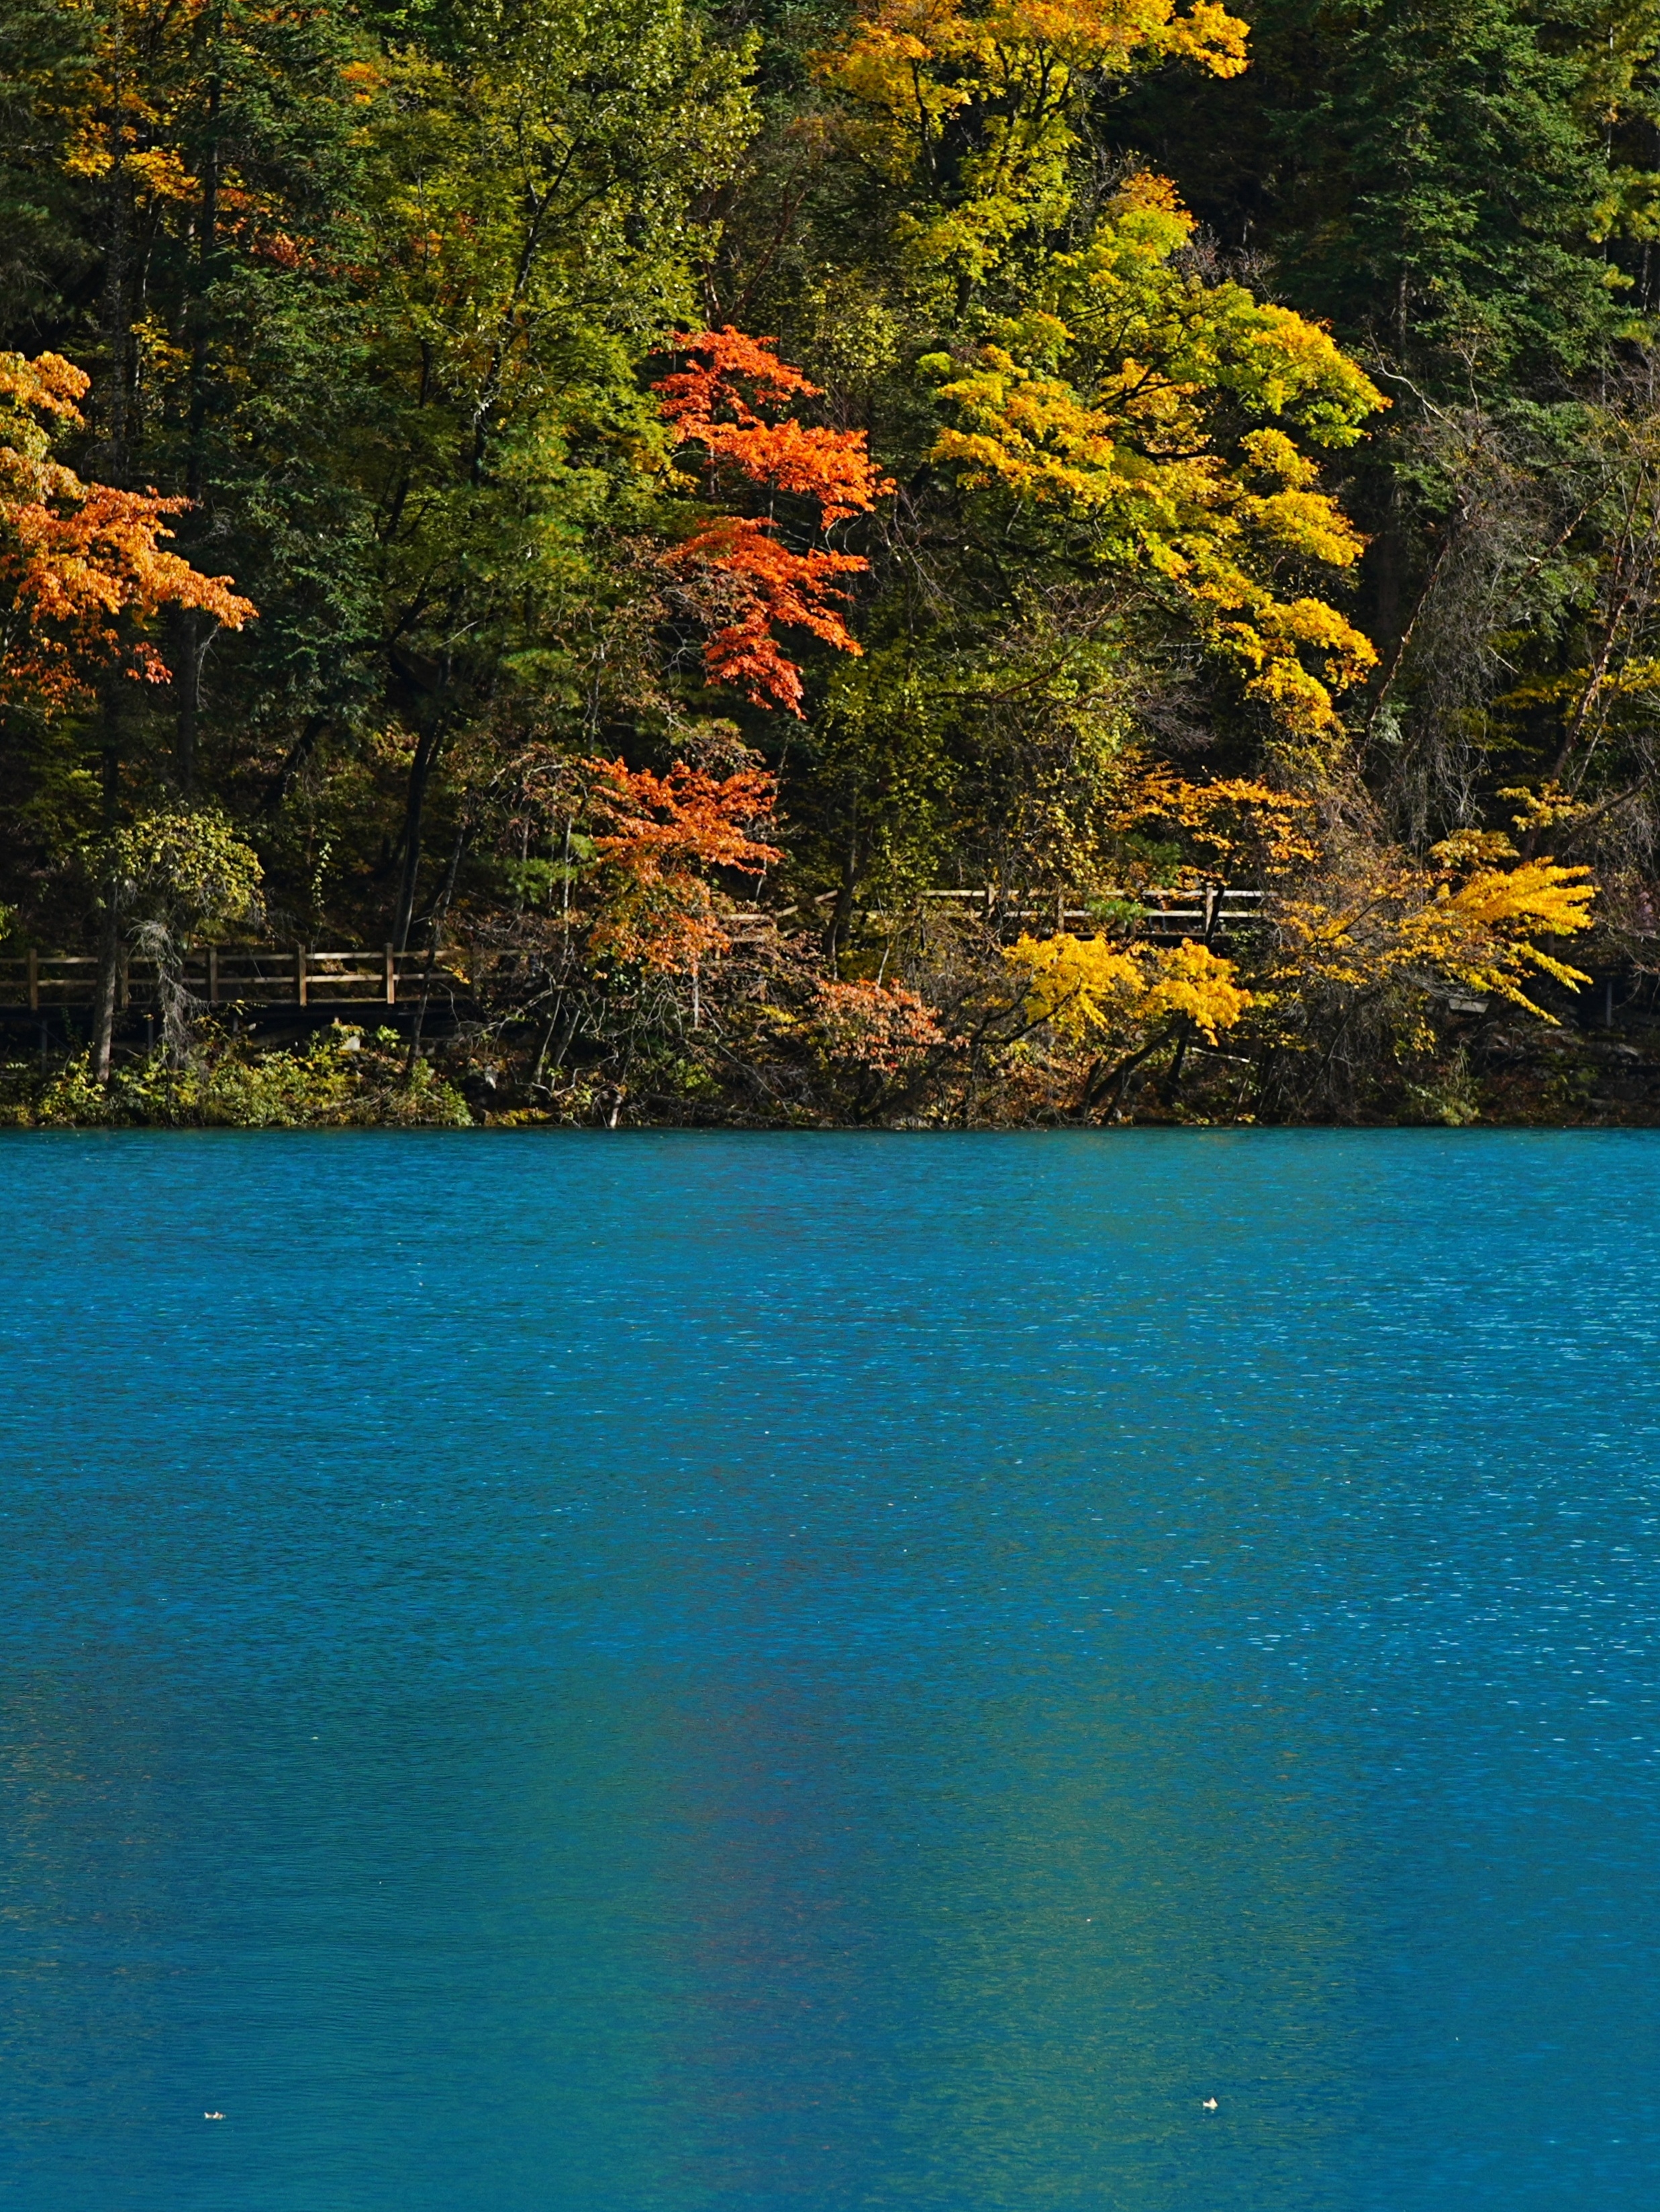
[875, 1026]
[725, 400]
[666, 831]
[80, 562]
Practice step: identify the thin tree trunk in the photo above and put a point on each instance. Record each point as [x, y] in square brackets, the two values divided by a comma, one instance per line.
[438, 913]
[116, 333]
[841, 924]
[189, 680]
[192, 641]
[117, 341]
[421, 768]
[109, 961]
[109, 934]
[298, 754]
[1386, 567]
[1173, 1079]
[206, 240]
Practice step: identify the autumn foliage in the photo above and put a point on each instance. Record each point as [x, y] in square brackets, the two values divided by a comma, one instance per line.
[1470, 924]
[664, 832]
[82, 565]
[1272, 551]
[728, 402]
[920, 62]
[878, 1027]
[1092, 993]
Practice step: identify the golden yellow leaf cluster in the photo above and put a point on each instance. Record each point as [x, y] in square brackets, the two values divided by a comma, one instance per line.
[1401, 924]
[1092, 991]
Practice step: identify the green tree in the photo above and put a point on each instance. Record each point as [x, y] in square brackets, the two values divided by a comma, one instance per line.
[535, 231]
[1455, 182]
[162, 878]
[190, 222]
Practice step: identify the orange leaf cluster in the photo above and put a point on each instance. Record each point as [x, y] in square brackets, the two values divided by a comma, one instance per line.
[780, 589]
[706, 402]
[714, 401]
[74, 557]
[666, 831]
[875, 1025]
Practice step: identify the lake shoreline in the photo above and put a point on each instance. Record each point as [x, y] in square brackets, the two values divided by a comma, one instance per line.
[347, 1076]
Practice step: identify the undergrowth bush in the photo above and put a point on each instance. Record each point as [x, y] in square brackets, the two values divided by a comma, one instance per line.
[340, 1079]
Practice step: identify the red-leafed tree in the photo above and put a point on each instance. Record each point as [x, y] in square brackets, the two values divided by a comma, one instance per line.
[82, 565]
[666, 832]
[732, 400]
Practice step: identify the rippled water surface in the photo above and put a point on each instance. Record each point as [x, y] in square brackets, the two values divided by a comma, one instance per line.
[640, 1674]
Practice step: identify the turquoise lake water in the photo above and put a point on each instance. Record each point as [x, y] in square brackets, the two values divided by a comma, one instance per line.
[638, 1673]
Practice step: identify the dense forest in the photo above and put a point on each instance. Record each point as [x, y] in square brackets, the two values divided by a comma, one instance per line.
[936, 562]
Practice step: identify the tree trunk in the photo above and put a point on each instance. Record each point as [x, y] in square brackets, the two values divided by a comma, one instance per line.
[1178, 1059]
[113, 395]
[206, 239]
[1386, 565]
[109, 962]
[438, 913]
[109, 934]
[189, 679]
[421, 768]
[841, 922]
[298, 754]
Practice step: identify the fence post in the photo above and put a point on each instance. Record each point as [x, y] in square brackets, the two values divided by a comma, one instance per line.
[392, 976]
[213, 974]
[299, 973]
[34, 982]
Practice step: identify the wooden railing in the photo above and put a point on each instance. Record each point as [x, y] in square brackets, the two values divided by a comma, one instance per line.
[1168, 917]
[239, 975]
[310, 976]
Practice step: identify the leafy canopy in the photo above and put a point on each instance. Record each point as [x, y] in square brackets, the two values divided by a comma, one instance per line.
[1131, 445]
[666, 832]
[979, 107]
[1105, 399]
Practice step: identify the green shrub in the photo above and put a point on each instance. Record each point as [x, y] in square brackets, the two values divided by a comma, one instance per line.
[342, 1078]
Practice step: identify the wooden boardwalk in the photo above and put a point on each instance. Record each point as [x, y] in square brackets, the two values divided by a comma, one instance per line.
[1168, 917]
[356, 980]
[301, 976]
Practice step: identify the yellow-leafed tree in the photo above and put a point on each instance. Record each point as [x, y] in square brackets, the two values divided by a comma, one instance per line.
[1143, 418]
